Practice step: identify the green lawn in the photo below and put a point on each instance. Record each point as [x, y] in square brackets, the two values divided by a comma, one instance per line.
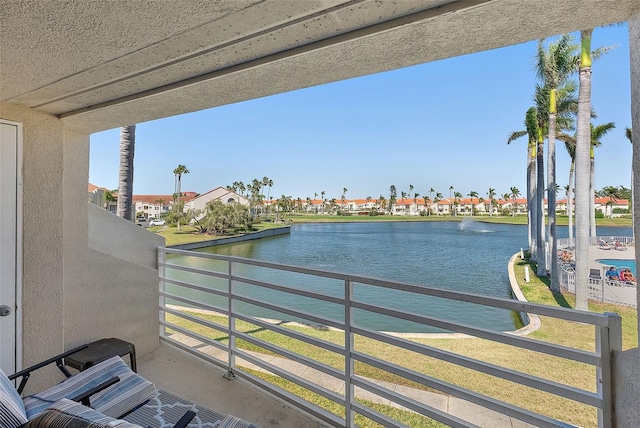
[189, 234]
[552, 330]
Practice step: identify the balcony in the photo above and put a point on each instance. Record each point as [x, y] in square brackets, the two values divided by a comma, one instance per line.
[209, 327]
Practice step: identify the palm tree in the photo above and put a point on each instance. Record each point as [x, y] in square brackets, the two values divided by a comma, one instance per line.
[270, 184]
[450, 198]
[431, 190]
[344, 192]
[571, 149]
[514, 195]
[437, 198]
[108, 198]
[383, 202]
[125, 176]
[456, 201]
[410, 190]
[322, 196]
[583, 145]
[472, 194]
[180, 169]
[506, 197]
[491, 194]
[415, 200]
[597, 132]
[392, 197]
[583, 169]
[629, 134]
[531, 130]
[427, 204]
[554, 68]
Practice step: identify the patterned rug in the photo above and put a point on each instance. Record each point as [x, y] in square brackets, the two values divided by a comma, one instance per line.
[166, 409]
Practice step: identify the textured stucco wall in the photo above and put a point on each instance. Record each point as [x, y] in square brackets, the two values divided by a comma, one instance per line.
[139, 248]
[627, 363]
[72, 293]
[43, 252]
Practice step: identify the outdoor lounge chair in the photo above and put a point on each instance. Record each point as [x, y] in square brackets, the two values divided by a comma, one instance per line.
[595, 274]
[619, 246]
[111, 388]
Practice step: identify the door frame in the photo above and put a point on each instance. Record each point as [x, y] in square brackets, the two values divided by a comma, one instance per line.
[19, 238]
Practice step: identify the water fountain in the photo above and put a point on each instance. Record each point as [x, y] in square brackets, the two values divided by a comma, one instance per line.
[473, 226]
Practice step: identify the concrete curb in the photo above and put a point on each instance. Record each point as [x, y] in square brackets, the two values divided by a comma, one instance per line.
[248, 237]
[532, 321]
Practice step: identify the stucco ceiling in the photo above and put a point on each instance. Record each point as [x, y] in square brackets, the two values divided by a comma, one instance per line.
[103, 64]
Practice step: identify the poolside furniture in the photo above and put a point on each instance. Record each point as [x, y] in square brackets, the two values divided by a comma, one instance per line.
[595, 274]
[602, 245]
[110, 387]
[68, 413]
[100, 350]
[619, 246]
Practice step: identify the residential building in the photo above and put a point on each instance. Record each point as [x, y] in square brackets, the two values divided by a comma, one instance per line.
[152, 206]
[97, 196]
[226, 196]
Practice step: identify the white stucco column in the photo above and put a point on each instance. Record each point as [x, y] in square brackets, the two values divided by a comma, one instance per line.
[627, 363]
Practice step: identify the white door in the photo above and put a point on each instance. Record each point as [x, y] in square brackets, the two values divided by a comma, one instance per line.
[9, 275]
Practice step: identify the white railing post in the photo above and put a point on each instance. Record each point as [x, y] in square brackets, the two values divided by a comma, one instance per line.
[349, 394]
[608, 341]
[162, 271]
[232, 322]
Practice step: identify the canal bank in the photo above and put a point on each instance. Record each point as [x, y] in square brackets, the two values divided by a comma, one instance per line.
[276, 231]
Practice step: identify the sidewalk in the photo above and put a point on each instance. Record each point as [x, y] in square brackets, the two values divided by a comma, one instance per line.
[462, 409]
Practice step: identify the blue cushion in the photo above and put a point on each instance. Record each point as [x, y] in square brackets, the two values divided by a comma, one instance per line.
[116, 400]
[12, 411]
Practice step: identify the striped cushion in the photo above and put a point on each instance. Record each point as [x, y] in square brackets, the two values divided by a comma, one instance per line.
[231, 421]
[114, 401]
[69, 414]
[12, 411]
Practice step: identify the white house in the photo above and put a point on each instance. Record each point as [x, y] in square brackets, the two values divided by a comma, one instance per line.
[222, 194]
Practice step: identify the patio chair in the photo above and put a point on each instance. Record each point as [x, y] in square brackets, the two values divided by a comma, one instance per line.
[603, 245]
[111, 388]
[619, 246]
[595, 274]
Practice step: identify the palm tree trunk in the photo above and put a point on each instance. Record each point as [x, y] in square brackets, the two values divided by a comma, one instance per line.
[592, 195]
[570, 200]
[583, 146]
[125, 176]
[540, 251]
[551, 194]
[531, 197]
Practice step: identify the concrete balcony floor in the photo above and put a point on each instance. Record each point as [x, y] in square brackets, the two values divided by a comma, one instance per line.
[196, 380]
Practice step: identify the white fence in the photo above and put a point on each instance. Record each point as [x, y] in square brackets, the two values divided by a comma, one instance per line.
[190, 279]
[600, 288]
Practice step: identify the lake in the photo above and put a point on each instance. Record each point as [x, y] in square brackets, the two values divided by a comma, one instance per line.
[470, 256]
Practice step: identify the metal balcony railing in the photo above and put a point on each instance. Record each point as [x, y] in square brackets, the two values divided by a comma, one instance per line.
[237, 290]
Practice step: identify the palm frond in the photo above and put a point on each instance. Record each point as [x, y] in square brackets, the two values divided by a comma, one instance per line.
[515, 135]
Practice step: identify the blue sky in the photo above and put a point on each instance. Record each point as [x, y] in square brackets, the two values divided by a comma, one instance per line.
[433, 125]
